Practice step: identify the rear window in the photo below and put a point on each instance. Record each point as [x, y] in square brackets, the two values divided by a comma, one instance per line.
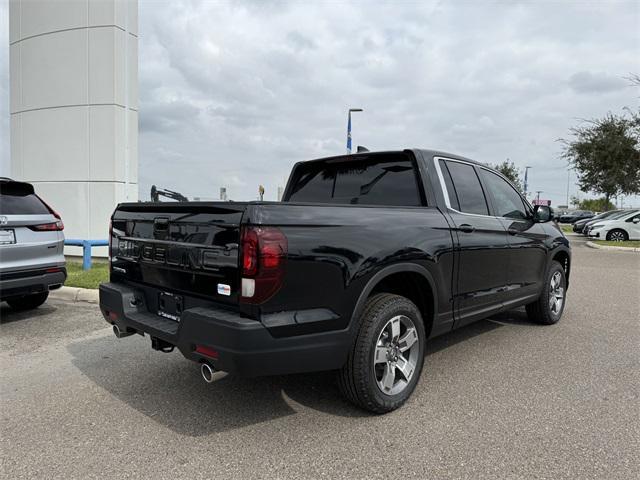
[17, 198]
[366, 181]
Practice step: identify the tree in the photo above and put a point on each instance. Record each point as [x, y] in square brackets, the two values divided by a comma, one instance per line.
[593, 204]
[606, 156]
[509, 170]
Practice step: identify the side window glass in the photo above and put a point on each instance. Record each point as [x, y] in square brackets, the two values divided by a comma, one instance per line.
[507, 202]
[468, 189]
[451, 191]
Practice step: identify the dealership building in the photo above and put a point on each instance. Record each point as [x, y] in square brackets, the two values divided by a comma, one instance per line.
[74, 107]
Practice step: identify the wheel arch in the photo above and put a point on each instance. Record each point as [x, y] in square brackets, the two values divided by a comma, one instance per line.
[563, 257]
[408, 280]
[620, 229]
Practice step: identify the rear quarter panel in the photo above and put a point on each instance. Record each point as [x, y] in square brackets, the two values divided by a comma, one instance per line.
[334, 250]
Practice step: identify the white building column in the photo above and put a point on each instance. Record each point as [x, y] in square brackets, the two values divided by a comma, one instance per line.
[74, 106]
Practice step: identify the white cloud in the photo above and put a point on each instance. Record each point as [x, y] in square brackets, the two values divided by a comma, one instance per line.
[244, 90]
[233, 93]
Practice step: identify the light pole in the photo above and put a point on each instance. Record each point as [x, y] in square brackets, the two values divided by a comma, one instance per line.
[568, 181]
[538, 196]
[349, 129]
[526, 177]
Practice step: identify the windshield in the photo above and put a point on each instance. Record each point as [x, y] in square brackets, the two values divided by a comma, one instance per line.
[606, 214]
[621, 214]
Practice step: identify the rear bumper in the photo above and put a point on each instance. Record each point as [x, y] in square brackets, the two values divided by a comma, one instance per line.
[20, 283]
[243, 346]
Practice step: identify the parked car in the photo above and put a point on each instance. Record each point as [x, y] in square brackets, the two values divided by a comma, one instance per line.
[578, 226]
[31, 246]
[592, 221]
[625, 227]
[366, 258]
[576, 215]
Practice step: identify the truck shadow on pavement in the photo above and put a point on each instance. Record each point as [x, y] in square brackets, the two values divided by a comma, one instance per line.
[169, 389]
[8, 314]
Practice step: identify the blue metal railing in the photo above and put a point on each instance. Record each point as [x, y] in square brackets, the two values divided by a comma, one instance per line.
[86, 248]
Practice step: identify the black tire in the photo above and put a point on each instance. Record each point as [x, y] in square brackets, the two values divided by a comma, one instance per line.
[357, 378]
[540, 311]
[617, 233]
[28, 302]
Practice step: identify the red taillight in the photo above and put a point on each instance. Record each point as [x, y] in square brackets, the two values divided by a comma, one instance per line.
[55, 214]
[48, 227]
[249, 252]
[206, 351]
[53, 270]
[264, 253]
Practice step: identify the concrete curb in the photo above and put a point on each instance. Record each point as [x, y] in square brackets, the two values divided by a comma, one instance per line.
[74, 294]
[610, 247]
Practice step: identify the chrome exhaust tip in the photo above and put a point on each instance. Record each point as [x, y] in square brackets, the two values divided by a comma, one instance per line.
[207, 372]
[120, 333]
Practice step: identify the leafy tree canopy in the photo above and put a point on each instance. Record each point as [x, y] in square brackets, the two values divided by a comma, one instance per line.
[509, 170]
[593, 204]
[606, 156]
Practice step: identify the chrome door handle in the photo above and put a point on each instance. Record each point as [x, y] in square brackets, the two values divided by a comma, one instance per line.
[466, 228]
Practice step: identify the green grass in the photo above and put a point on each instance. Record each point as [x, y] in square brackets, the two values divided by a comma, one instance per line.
[76, 277]
[567, 228]
[628, 243]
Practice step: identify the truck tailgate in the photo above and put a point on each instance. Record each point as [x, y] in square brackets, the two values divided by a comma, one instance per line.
[189, 247]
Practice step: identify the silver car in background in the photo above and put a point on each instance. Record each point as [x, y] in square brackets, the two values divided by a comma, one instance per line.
[31, 246]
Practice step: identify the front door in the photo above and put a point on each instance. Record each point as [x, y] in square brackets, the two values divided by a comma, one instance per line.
[483, 246]
[528, 254]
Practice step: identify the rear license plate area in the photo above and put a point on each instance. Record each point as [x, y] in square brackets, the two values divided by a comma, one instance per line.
[170, 306]
[7, 237]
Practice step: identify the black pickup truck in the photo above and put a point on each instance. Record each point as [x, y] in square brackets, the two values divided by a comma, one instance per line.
[366, 258]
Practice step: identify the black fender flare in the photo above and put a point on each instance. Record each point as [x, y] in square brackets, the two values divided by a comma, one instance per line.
[553, 252]
[381, 275]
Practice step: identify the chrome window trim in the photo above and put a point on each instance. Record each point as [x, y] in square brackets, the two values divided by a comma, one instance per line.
[443, 185]
[436, 161]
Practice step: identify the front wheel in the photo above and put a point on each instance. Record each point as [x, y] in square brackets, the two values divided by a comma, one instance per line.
[548, 308]
[386, 360]
[617, 235]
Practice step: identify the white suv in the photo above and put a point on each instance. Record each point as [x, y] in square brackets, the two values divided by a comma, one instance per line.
[625, 227]
[31, 246]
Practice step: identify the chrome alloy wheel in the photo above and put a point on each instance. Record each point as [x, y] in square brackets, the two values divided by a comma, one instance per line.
[616, 236]
[556, 293]
[396, 355]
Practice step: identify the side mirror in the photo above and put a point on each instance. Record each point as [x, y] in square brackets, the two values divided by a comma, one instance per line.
[636, 220]
[542, 214]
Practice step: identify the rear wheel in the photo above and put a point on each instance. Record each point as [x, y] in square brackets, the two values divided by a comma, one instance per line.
[386, 360]
[28, 302]
[617, 235]
[548, 309]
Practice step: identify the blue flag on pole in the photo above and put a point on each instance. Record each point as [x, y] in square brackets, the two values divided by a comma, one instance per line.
[349, 134]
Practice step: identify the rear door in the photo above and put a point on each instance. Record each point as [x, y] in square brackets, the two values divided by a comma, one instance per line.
[25, 244]
[527, 254]
[483, 246]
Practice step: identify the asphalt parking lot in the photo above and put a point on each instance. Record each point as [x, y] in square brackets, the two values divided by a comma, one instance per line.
[502, 398]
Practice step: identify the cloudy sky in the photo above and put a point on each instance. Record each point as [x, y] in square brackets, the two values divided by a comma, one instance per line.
[232, 94]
